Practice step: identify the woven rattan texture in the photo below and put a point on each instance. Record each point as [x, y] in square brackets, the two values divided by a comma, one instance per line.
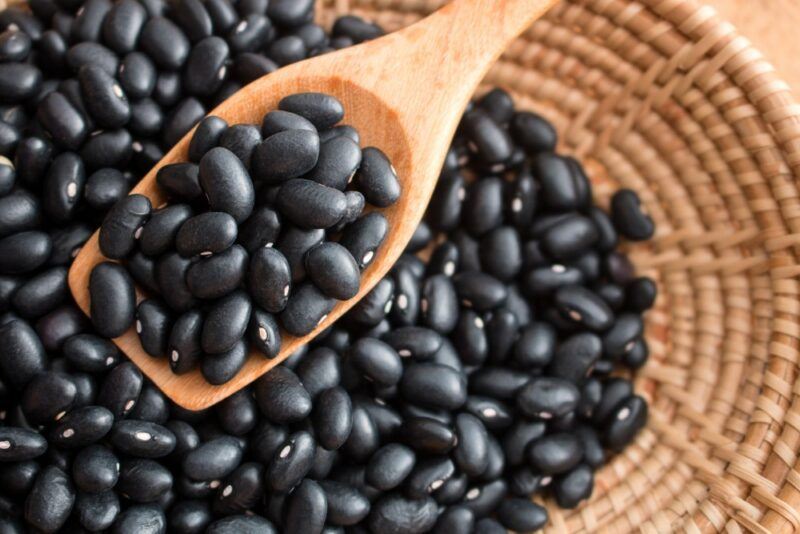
[663, 97]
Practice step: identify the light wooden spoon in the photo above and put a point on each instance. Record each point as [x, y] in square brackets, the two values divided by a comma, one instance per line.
[405, 94]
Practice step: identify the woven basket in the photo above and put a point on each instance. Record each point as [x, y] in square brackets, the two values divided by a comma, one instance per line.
[662, 97]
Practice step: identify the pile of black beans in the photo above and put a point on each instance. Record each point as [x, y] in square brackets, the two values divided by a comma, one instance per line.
[247, 241]
[495, 369]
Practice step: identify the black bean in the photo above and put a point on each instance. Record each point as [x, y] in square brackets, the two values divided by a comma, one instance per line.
[41, 293]
[165, 43]
[18, 82]
[285, 155]
[583, 306]
[570, 237]
[183, 117]
[307, 509]
[356, 29]
[95, 469]
[227, 184]
[107, 148]
[630, 220]
[280, 121]
[144, 519]
[339, 157]
[31, 160]
[24, 252]
[479, 291]
[575, 486]
[377, 361]
[143, 271]
[137, 76]
[439, 304]
[123, 24]
[332, 418]
[444, 211]
[640, 294]
[324, 111]
[483, 207]
[521, 515]
[217, 275]
[264, 333]
[395, 513]
[281, 396]
[97, 511]
[434, 385]
[498, 104]
[483, 500]
[261, 229]
[497, 382]
[291, 463]
[15, 45]
[487, 138]
[103, 97]
[406, 307]
[113, 302]
[294, 243]
[389, 466]
[47, 397]
[307, 307]
[555, 453]
[213, 460]
[151, 406]
[153, 324]
[120, 389]
[206, 137]
[346, 505]
[183, 344]
[429, 475]
[333, 270]
[20, 444]
[158, 235]
[415, 342]
[142, 439]
[120, 229]
[62, 121]
[226, 323]
[142, 480]
[251, 33]
[19, 211]
[50, 501]
[363, 237]
[90, 353]
[206, 234]
[241, 139]
[319, 370]
[168, 88]
[561, 188]
[194, 19]
[364, 438]
[377, 179]
[104, 188]
[286, 50]
[308, 204]
[545, 398]
[593, 453]
[206, 67]
[622, 337]
[628, 417]
[190, 516]
[575, 356]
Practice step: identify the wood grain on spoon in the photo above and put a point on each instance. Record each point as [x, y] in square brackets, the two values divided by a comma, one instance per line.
[405, 94]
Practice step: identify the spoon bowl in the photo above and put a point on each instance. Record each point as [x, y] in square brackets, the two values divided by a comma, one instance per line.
[404, 93]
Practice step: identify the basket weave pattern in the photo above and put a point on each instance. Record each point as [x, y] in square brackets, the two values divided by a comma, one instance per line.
[663, 97]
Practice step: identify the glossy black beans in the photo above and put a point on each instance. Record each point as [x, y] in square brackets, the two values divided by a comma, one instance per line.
[206, 234]
[294, 243]
[50, 501]
[363, 237]
[206, 67]
[20, 444]
[165, 43]
[97, 511]
[306, 308]
[572, 488]
[285, 155]
[434, 385]
[104, 98]
[120, 389]
[308, 204]
[219, 274]
[153, 324]
[170, 273]
[291, 463]
[333, 270]
[629, 218]
[521, 515]
[180, 180]
[225, 323]
[241, 139]
[227, 184]
[339, 157]
[547, 398]
[323, 111]
[376, 178]
[62, 121]
[555, 453]
[282, 397]
[213, 460]
[24, 252]
[112, 305]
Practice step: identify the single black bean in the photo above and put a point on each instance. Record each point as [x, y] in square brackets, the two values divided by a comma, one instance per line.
[356, 28]
[560, 187]
[97, 511]
[395, 513]
[497, 382]
[434, 385]
[318, 370]
[376, 361]
[324, 111]
[153, 324]
[406, 307]
[294, 243]
[227, 184]
[281, 396]
[487, 139]
[143, 518]
[95, 469]
[50, 501]
[261, 229]
[339, 157]
[479, 291]
[572, 488]
[333, 270]
[389, 466]
[346, 505]
[41, 293]
[555, 453]
[20, 444]
[307, 509]
[285, 155]
[213, 460]
[622, 337]
[113, 302]
[630, 220]
[180, 180]
[484, 499]
[15, 45]
[286, 50]
[363, 237]
[206, 137]
[583, 306]
[241, 139]
[187, 113]
[469, 338]
[280, 121]
[251, 33]
[19, 211]
[575, 356]
[237, 414]
[240, 491]
[142, 439]
[143, 271]
[628, 417]
[291, 463]
[168, 88]
[219, 274]
[107, 148]
[183, 344]
[31, 160]
[306, 309]
[194, 19]
[123, 24]
[533, 132]
[120, 389]
[521, 515]
[483, 207]
[545, 398]
[90, 353]
[364, 438]
[429, 475]
[226, 322]
[47, 397]
[104, 188]
[62, 121]
[24, 252]
[640, 294]
[444, 211]
[137, 76]
[455, 520]
[637, 356]
[414, 342]
[570, 237]
[206, 67]
[165, 43]
[158, 235]
[308, 204]
[333, 418]
[206, 234]
[439, 304]
[377, 179]
[18, 82]
[103, 96]
[190, 516]
[120, 229]
[498, 104]
[143, 480]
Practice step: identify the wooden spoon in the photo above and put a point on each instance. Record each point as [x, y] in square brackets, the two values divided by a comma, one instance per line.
[405, 93]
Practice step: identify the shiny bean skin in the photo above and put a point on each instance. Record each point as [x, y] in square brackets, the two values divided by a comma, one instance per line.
[112, 306]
